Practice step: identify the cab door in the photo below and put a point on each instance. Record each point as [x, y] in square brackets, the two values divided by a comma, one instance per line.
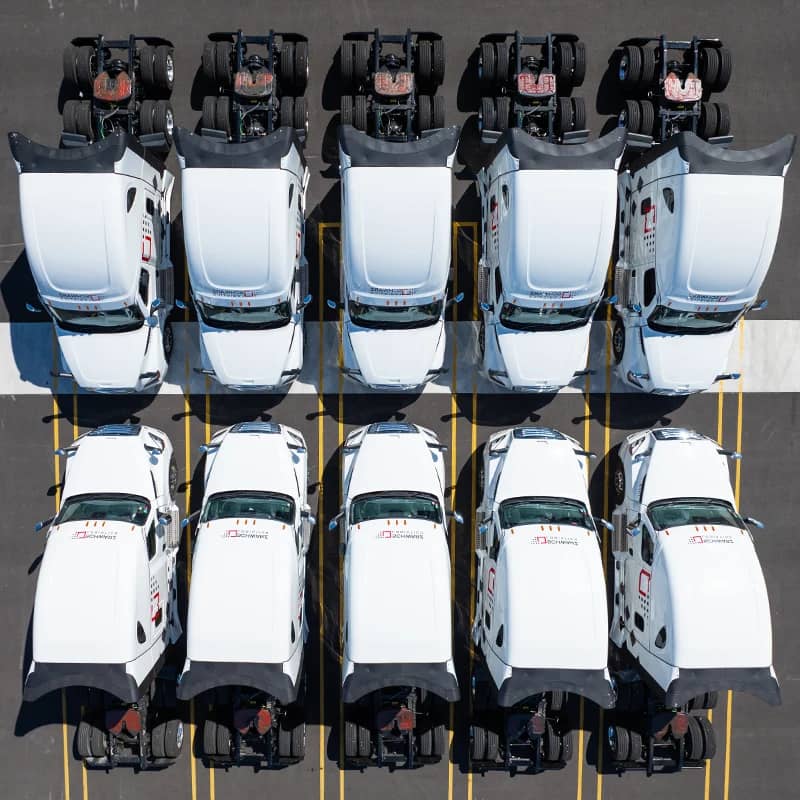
[159, 588]
[638, 578]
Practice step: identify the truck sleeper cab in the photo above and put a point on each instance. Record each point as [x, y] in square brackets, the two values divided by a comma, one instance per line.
[244, 229]
[253, 533]
[396, 251]
[540, 279]
[690, 613]
[697, 230]
[96, 223]
[398, 672]
[535, 529]
[118, 523]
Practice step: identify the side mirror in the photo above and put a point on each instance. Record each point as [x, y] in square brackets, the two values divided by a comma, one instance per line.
[305, 302]
[604, 523]
[152, 321]
[306, 514]
[32, 308]
[456, 516]
[586, 453]
[45, 522]
[334, 523]
[734, 455]
[756, 523]
[457, 299]
[180, 304]
[156, 304]
[186, 521]
[759, 305]
[335, 305]
[486, 307]
[207, 447]
[610, 301]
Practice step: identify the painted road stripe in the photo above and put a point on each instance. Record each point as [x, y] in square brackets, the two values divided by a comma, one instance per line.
[769, 362]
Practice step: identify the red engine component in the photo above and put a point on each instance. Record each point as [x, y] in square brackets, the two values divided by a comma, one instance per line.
[397, 85]
[246, 718]
[690, 91]
[389, 719]
[679, 724]
[529, 85]
[536, 725]
[123, 719]
[112, 88]
[249, 83]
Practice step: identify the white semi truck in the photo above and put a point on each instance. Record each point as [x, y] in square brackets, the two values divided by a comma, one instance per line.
[690, 612]
[536, 544]
[542, 272]
[244, 230]
[398, 672]
[698, 225]
[396, 257]
[106, 607]
[251, 542]
[96, 224]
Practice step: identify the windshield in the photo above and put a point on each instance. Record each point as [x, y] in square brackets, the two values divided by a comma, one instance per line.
[250, 317]
[249, 505]
[699, 511]
[110, 507]
[520, 318]
[544, 511]
[401, 505]
[368, 316]
[670, 320]
[113, 320]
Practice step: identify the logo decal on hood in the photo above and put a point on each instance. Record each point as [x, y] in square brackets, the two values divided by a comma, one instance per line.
[389, 534]
[108, 537]
[244, 533]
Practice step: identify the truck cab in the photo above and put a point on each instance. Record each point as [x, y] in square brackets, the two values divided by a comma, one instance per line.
[96, 223]
[398, 672]
[396, 257]
[698, 226]
[251, 542]
[118, 523]
[548, 228]
[244, 229]
[535, 529]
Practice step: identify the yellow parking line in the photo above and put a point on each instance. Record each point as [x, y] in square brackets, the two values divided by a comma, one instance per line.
[340, 442]
[320, 509]
[212, 778]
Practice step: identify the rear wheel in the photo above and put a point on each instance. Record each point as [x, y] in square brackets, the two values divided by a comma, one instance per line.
[146, 58]
[83, 740]
[68, 64]
[426, 743]
[709, 118]
[300, 67]
[693, 740]
[284, 741]
[364, 742]
[439, 740]
[360, 112]
[502, 63]
[346, 109]
[223, 740]
[164, 122]
[424, 63]
[636, 746]
[173, 738]
[619, 742]
[84, 68]
[287, 66]
[361, 61]
[437, 58]
[488, 114]
[83, 120]
[146, 110]
[208, 62]
[723, 119]
[578, 113]
[503, 106]
[477, 743]
[567, 745]
[708, 66]
[222, 61]
[565, 61]
[492, 745]
[631, 116]
[350, 740]
[438, 111]
[209, 737]
[648, 73]
[299, 741]
[300, 114]
[222, 115]
[98, 742]
[725, 69]
[208, 120]
[629, 68]
[563, 115]
[287, 112]
[70, 115]
[157, 740]
[648, 116]
[163, 70]
[487, 63]
[424, 113]
[709, 737]
[579, 55]
[552, 743]
[556, 700]
[346, 65]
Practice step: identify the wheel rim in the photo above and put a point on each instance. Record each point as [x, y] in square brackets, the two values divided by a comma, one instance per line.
[179, 735]
[611, 737]
[622, 119]
[170, 69]
[622, 71]
[170, 122]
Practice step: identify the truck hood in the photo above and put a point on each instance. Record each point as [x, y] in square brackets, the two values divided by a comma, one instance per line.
[685, 363]
[395, 358]
[535, 359]
[105, 361]
[248, 357]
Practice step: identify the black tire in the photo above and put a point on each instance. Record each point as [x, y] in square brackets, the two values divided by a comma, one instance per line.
[708, 67]
[424, 64]
[578, 113]
[710, 700]
[287, 66]
[552, 743]
[223, 740]
[146, 110]
[84, 71]
[346, 65]
[629, 68]
[157, 741]
[618, 484]
[83, 739]
[350, 740]
[84, 123]
[172, 477]
[438, 59]
[618, 340]
[360, 115]
[709, 117]
[424, 112]
[648, 74]
[364, 742]
[636, 746]
[709, 737]
[361, 61]
[68, 64]
[579, 56]
[631, 116]
[439, 740]
[346, 109]
[146, 68]
[164, 70]
[209, 735]
[502, 63]
[284, 741]
[563, 121]
[173, 738]
[567, 745]
[619, 742]
[503, 107]
[208, 62]
[98, 742]
[556, 700]
[723, 119]
[164, 122]
[300, 114]
[492, 745]
[482, 348]
[298, 736]
[300, 67]
[725, 69]
[287, 111]
[487, 61]
[477, 743]
[222, 64]
[209, 117]
[565, 61]
[488, 114]
[70, 116]
[693, 740]
[426, 743]
[648, 116]
[438, 111]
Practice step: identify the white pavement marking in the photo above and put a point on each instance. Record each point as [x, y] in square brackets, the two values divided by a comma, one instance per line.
[771, 361]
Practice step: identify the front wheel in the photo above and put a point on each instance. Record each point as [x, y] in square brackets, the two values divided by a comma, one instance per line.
[618, 341]
[169, 340]
[173, 477]
[619, 481]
